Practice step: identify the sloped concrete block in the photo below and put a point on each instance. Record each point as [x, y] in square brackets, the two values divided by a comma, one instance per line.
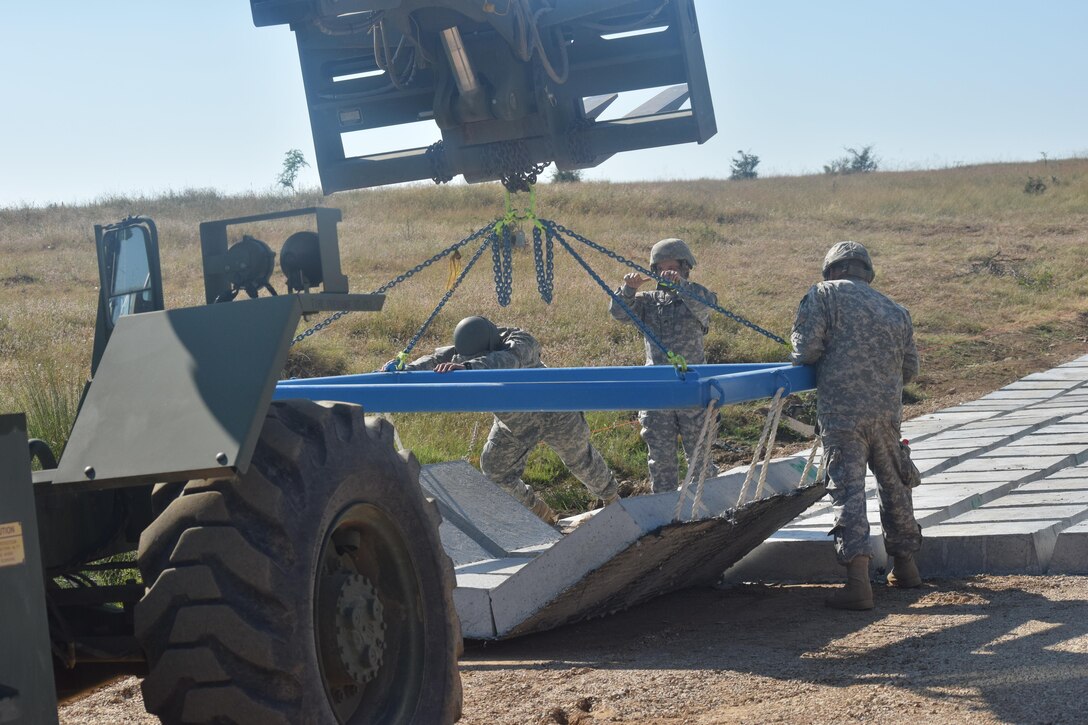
[473, 605]
[1032, 497]
[994, 477]
[1071, 551]
[966, 439]
[1052, 436]
[1026, 384]
[1077, 472]
[482, 512]
[1060, 373]
[588, 548]
[462, 548]
[799, 555]
[632, 551]
[953, 549]
[1013, 463]
[1022, 395]
[999, 511]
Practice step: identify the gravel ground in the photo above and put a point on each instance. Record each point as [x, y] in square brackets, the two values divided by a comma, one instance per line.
[981, 650]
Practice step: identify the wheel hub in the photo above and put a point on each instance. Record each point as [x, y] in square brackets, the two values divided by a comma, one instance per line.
[360, 629]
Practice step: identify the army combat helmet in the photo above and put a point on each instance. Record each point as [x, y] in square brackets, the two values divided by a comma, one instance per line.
[671, 249]
[475, 336]
[854, 257]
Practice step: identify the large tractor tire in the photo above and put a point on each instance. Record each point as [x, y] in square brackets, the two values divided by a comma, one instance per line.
[312, 589]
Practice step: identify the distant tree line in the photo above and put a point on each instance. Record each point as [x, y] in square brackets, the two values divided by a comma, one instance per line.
[856, 161]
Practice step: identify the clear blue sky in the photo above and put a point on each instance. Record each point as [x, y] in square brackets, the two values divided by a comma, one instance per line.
[143, 96]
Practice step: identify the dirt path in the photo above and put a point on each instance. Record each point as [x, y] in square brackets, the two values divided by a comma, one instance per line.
[981, 650]
[987, 649]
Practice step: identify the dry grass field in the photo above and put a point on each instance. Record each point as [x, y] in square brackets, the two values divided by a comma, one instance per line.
[996, 281]
[995, 278]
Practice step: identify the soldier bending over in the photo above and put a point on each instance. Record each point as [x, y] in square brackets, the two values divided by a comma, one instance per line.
[479, 345]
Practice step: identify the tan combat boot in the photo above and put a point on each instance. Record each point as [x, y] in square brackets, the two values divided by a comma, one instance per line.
[542, 510]
[858, 592]
[904, 573]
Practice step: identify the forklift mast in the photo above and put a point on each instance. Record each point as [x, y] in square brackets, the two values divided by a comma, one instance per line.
[511, 85]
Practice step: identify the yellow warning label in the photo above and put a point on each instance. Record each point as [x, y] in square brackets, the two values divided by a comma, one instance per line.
[11, 544]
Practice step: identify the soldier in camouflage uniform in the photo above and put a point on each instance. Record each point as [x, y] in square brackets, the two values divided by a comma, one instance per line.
[863, 346]
[479, 345]
[680, 323]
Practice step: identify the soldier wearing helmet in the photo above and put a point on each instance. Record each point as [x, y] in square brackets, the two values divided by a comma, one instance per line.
[680, 323]
[862, 344]
[478, 344]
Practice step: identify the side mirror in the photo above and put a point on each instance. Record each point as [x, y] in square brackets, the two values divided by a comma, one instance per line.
[130, 280]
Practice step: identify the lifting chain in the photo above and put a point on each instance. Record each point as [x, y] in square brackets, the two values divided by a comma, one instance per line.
[499, 235]
[509, 160]
[400, 278]
[402, 357]
[502, 260]
[440, 165]
[642, 270]
[677, 361]
[578, 142]
[543, 256]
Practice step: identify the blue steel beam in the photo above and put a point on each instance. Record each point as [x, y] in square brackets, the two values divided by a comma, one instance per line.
[526, 375]
[554, 389]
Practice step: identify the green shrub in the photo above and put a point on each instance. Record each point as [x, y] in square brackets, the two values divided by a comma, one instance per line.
[744, 166]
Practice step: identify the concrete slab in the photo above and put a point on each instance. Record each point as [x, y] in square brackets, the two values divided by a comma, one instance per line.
[966, 440]
[992, 405]
[799, 556]
[1012, 463]
[1071, 551]
[1079, 418]
[1063, 409]
[1023, 395]
[1026, 384]
[1064, 433]
[480, 520]
[1060, 373]
[982, 476]
[1042, 450]
[659, 556]
[997, 511]
[947, 416]
[1022, 497]
[1009, 547]
[627, 552]
[1076, 473]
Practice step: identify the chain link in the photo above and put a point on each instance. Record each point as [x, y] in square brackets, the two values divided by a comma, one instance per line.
[698, 298]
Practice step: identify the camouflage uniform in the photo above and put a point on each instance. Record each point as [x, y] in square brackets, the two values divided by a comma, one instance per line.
[863, 346]
[514, 435]
[680, 323]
